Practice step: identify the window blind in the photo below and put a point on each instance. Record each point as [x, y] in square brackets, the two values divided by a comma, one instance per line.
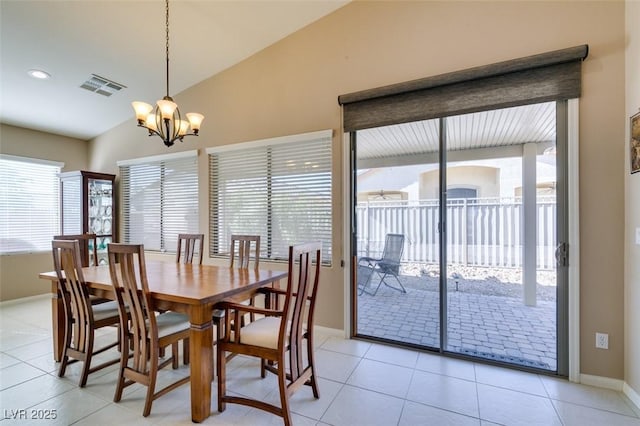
[550, 76]
[159, 200]
[29, 204]
[279, 189]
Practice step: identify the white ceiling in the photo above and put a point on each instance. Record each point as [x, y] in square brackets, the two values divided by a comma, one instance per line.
[124, 41]
[488, 129]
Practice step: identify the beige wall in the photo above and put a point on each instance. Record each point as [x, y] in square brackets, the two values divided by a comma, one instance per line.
[292, 87]
[632, 210]
[485, 180]
[19, 273]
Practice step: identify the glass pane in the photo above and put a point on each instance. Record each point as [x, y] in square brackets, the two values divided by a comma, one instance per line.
[397, 200]
[501, 209]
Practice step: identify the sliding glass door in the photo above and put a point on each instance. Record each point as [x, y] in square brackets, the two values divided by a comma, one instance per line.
[475, 199]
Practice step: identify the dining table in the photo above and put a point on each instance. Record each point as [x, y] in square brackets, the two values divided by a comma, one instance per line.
[191, 289]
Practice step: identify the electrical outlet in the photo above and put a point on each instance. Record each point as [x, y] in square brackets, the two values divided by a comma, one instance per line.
[602, 341]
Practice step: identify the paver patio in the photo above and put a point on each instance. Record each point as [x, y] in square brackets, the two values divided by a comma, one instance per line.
[488, 326]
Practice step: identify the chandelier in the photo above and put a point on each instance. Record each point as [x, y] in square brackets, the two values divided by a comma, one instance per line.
[166, 120]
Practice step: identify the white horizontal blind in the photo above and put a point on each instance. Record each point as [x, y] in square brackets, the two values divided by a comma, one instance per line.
[29, 204]
[159, 201]
[280, 191]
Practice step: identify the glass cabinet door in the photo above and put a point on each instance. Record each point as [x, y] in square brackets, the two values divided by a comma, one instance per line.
[88, 207]
[100, 208]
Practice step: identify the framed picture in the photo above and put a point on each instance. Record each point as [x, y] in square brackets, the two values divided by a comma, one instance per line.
[635, 143]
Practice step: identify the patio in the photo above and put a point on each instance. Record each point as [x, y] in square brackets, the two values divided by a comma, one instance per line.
[496, 326]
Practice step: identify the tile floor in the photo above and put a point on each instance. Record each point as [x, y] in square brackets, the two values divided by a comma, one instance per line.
[360, 384]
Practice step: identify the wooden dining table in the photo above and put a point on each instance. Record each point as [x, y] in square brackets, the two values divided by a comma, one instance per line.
[190, 289]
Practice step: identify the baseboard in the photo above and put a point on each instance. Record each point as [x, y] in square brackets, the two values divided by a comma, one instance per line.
[631, 394]
[613, 384]
[25, 299]
[330, 331]
[602, 382]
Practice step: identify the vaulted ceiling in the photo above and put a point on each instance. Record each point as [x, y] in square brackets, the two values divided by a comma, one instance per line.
[124, 42]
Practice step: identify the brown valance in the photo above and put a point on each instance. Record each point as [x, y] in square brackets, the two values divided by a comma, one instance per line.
[539, 78]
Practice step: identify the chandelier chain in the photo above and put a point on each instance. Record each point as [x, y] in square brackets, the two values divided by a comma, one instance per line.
[167, 40]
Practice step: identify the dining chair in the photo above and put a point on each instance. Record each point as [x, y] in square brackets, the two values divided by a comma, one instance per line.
[386, 266]
[277, 336]
[88, 255]
[240, 257]
[144, 332]
[193, 246]
[81, 317]
[190, 247]
[88, 247]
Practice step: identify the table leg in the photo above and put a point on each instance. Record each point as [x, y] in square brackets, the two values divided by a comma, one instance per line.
[57, 322]
[201, 361]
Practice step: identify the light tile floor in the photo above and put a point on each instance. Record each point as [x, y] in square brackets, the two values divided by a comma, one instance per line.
[361, 383]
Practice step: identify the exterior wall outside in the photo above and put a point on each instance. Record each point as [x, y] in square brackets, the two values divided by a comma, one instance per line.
[292, 87]
[486, 180]
[19, 272]
[632, 206]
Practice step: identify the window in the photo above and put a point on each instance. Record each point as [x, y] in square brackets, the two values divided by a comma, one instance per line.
[29, 204]
[279, 189]
[159, 199]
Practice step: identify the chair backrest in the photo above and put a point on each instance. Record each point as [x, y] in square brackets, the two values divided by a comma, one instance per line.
[88, 247]
[393, 247]
[244, 251]
[75, 294]
[190, 243]
[129, 278]
[304, 274]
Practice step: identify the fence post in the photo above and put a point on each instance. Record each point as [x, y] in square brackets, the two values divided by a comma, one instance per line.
[465, 243]
[367, 214]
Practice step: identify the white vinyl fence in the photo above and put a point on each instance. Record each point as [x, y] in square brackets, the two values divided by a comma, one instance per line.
[481, 231]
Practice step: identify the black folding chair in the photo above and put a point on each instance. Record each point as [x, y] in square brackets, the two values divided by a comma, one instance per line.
[386, 266]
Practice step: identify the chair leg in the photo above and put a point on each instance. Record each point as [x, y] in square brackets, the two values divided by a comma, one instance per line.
[175, 361]
[222, 377]
[401, 289]
[87, 363]
[312, 365]
[120, 386]
[63, 362]
[124, 359]
[284, 394]
[150, 391]
[185, 351]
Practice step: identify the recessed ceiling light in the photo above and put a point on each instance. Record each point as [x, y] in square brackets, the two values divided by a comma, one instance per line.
[39, 74]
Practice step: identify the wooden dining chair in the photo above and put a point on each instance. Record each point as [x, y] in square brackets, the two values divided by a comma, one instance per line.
[81, 317]
[144, 331]
[277, 336]
[190, 245]
[241, 258]
[88, 254]
[88, 247]
[240, 253]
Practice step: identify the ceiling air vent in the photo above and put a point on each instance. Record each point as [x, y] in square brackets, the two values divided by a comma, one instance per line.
[101, 85]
